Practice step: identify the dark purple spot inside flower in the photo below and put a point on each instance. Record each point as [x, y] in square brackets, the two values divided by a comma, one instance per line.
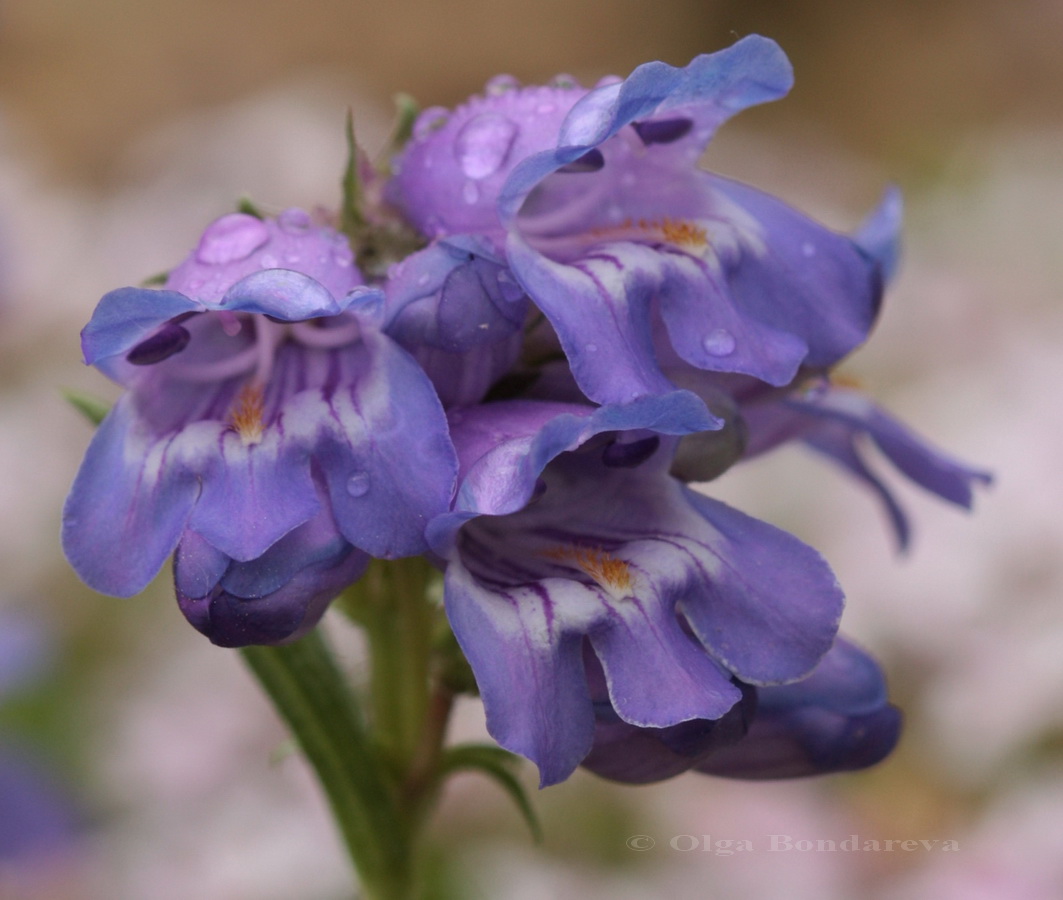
[662, 131]
[631, 454]
[591, 161]
[168, 340]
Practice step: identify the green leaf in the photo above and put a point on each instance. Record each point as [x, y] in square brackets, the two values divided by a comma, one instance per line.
[92, 408]
[497, 764]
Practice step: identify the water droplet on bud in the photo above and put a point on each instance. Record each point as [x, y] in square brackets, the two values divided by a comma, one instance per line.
[483, 143]
[358, 484]
[719, 342]
[430, 121]
[231, 238]
[294, 221]
[501, 84]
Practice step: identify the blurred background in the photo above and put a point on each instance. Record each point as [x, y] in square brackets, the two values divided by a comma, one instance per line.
[137, 762]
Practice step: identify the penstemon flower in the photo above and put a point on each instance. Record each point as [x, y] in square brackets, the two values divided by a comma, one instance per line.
[642, 262]
[560, 322]
[564, 544]
[270, 433]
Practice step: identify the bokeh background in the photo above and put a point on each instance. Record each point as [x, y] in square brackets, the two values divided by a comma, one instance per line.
[126, 125]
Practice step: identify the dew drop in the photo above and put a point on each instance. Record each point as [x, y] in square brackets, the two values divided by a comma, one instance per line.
[294, 221]
[231, 238]
[358, 484]
[430, 121]
[483, 143]
[501, 84]
[591, 348]
[808, 249]
[719, 342]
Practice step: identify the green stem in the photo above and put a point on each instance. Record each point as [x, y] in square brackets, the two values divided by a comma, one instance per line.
[310, 693]
[391, 605]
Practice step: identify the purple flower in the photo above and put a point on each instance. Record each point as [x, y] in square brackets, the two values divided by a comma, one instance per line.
[837, 422]
[837, 719]
[644, 265]
[459, 312]
[568, 533]
[268, 427]
[37, 818]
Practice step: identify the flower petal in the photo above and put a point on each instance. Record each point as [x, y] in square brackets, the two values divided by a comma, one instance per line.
[518, 648]
[838, 719]
[769, 605]
[128, 506]
[657, 675]
[125, 317]
[253, 494]
[284, 294]
[381, 442]
[503, 447]
[804, 279]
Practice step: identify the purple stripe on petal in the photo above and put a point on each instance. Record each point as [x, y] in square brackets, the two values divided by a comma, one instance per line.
[591, 161]
[662, 131]
[168, 340]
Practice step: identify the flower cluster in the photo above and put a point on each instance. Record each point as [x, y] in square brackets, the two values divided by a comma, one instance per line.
[580, 323]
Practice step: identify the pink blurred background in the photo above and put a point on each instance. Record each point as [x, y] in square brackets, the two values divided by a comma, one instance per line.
[125, 126]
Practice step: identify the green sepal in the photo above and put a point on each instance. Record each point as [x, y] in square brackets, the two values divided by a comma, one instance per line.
[406, 111]
[92, 408]
[248, 206]
[352, 219]
[497, 764]
[156, 280]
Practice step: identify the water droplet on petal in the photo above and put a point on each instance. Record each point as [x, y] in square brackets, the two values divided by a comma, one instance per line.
[358, 484]
[430, 121]
[483, 143]
[231, 238]
[294, 221]
[591, 348]
[719, 342]
[808, 249]
[501, 84]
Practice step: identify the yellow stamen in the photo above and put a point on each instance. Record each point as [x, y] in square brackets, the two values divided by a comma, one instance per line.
[246, 414]
[845, 380]
[673, 231]
[611, 573]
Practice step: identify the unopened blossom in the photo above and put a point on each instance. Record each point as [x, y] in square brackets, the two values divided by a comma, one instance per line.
[569, 533]
[269, 433]
[836, 719]
[644, 264]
